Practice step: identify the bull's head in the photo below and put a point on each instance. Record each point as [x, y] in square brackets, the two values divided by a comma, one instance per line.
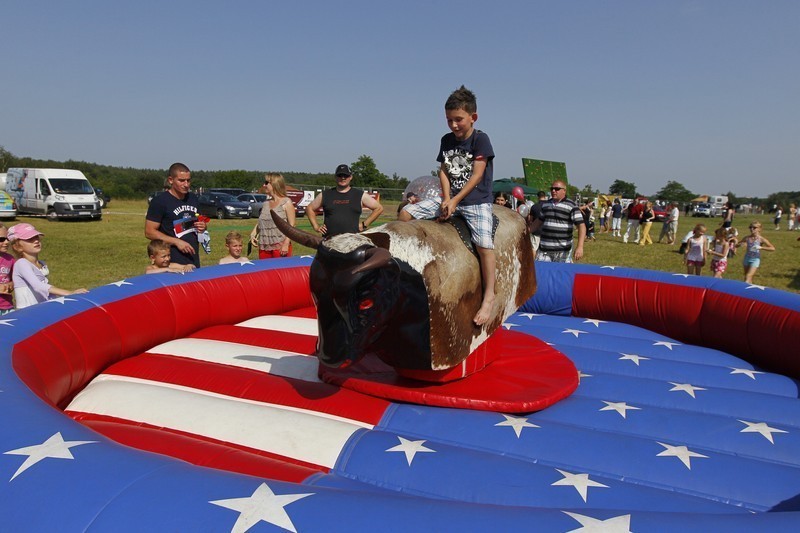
[363, 300]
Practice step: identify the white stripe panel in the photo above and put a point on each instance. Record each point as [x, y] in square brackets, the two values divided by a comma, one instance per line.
[267, 360]
[290, 324]
[309, 436]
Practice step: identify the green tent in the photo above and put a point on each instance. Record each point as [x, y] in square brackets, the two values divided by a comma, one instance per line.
[506, 186]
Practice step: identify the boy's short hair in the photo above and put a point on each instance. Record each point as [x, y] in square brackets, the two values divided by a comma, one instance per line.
[233, 236]
[157, 245]
[177, 168]
[462, 98]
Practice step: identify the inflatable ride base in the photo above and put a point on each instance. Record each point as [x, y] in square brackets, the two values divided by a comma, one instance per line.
[526, 375]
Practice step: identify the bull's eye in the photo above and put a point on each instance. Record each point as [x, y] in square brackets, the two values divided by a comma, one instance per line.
[365, 304]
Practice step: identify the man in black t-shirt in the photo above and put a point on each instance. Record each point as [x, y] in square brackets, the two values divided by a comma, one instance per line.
[172, 217]
[342, 207]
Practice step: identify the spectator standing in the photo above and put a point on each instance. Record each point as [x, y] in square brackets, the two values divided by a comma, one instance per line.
[719, 252]
[670, 227]
[342, 206]
[696, 247]
[558, 219]
[6, 270]
[536, 211]
[635, 210]
[234, 243]
[778, 215]
[501, 200]
[648, 215]
[31, 285]
[616, 218]
[792, 216]
[727, 215]
[172, 217]
[266, 235]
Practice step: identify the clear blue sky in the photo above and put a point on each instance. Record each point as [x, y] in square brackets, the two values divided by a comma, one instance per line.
[702, 92]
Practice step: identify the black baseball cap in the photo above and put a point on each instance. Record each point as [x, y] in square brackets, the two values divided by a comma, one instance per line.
[343, 170]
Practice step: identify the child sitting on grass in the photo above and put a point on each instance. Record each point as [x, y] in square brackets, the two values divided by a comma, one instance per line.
[234, 244]
[31, 285]
[159, 252]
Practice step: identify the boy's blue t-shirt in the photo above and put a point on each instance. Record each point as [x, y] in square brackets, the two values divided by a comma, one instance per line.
[459, 157]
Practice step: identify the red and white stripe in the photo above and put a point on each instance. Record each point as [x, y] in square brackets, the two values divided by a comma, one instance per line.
[257, 391]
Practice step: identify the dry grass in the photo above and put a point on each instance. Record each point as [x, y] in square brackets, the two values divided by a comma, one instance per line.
[90, 254]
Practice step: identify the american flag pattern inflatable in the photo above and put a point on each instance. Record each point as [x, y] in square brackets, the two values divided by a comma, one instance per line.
[191, 403]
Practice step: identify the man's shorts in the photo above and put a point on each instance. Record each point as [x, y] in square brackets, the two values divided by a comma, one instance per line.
[478, 218]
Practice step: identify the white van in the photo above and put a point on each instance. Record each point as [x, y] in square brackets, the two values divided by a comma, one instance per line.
[53, 192]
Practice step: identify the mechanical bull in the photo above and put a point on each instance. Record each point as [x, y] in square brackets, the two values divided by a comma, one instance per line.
[407, 291]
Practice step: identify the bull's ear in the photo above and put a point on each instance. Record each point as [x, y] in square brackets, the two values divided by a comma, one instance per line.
[375, 258]
[297, 235]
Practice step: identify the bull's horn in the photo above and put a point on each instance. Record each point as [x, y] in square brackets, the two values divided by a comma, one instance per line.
[376, 258]
[297, 235]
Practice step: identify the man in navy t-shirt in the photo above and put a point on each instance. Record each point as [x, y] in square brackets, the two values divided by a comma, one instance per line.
[172, 217]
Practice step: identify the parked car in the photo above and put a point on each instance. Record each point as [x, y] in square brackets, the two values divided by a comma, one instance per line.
[703, 210]
[660, 212]
[254, 200]
[226, 190]
[8, 207]
[102, 197]
[221, 205]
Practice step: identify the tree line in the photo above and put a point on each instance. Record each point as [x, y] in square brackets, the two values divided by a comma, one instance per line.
[675, 191]
[131, 183]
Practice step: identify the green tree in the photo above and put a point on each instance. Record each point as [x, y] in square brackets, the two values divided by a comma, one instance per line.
[675, 192]
[625, 189]
[367, 175]
[588, 192]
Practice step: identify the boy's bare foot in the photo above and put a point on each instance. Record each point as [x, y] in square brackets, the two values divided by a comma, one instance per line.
[485, 312]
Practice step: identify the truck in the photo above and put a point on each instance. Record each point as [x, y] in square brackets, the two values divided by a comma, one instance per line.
[53, 192]
[718, 204]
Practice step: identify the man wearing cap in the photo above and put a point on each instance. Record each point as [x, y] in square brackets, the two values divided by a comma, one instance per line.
[172, 217]
[342, 207]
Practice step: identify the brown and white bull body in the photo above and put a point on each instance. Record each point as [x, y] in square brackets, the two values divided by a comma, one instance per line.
[407, 291]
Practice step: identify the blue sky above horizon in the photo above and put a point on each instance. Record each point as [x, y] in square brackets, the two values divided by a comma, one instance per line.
[701, 92]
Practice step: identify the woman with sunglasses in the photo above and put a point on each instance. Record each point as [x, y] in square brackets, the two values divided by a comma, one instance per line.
[6, 267]
[266, 235]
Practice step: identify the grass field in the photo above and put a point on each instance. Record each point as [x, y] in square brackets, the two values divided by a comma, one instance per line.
[90, 254]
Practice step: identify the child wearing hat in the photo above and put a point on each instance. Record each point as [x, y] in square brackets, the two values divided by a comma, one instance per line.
[31, 285]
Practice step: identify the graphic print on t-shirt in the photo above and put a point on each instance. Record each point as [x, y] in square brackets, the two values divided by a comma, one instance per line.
[184, 223]
[458, 163]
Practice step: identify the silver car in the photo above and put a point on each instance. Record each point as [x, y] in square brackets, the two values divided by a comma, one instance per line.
[254, 200]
